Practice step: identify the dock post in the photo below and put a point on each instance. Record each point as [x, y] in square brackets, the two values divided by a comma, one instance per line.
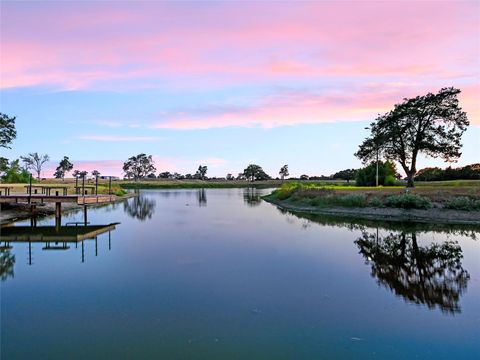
[85, 217]
[58, 212]
[29, 253]
[33, 210]
[83, 253]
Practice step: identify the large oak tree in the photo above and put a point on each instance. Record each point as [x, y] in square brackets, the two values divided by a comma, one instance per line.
[432, 124]
[138, 167]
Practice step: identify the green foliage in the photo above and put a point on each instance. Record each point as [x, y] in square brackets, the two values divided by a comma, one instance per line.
[255, 173]
[138, 167]
[64, 167]
[408, 201]
[7, 130]
[15, 174]
[349, 200]
[376, 202]
[432, 124]
[386, 174]
[3, 165]
[286, 190]
[201, 172]
[389, 180]
[283, 171]
[469, 172]
[348, 174]
[463, 203]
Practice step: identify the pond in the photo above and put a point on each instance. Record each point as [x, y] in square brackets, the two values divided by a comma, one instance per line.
[221, 274]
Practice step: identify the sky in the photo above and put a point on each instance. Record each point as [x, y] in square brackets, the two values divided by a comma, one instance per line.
[226, 84]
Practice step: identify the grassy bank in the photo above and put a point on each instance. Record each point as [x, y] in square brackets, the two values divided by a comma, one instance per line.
[448, 204]
[448, 197]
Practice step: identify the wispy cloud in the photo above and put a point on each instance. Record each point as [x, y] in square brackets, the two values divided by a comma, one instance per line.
[119, 138]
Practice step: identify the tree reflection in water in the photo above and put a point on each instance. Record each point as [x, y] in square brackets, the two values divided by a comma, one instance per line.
[430, 275]
[202, 197]
[7, 261]
[251, 196]
[140, 207]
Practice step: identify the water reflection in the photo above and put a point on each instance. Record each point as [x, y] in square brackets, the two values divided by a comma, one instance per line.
[140, 207]
[432, 275]
[7, 261]
[202, 197]
[252, 196]
[50, 238]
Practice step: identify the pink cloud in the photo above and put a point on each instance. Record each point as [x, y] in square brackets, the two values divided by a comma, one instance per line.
[293, 108]
[119, 138]
[95, 45]
[83, 46]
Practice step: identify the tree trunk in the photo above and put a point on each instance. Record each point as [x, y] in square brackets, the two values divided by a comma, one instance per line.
[410, 182]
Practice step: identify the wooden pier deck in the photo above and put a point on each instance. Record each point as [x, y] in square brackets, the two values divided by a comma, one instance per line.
[35, 199]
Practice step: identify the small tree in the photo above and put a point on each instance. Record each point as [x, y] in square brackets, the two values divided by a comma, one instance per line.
[348, 174]
[201, 172]
[64, 167]
[283, 172]
[13, 173]
[3, 165]
[432, 124]
[95, 173]
[34, 162]
[165, 175]
[7, 130]
[138, 167]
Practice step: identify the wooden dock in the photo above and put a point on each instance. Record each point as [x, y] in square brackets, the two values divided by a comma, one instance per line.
[41, 199]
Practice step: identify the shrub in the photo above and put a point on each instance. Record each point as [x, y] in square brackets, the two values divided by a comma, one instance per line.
[376, 202]
[367, 176]
[389, 180]
[408, 201]
[286, 190]
[463, 203]
[353, 200]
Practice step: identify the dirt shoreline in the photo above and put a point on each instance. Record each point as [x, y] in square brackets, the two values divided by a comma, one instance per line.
[432, 216]
[17, 212]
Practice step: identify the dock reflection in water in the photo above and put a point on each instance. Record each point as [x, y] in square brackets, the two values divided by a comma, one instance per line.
[51, 238]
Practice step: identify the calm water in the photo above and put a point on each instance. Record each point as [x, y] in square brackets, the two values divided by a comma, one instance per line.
[219, 274]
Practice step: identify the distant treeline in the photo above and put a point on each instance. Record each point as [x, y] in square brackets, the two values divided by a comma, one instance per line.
[469, 172]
